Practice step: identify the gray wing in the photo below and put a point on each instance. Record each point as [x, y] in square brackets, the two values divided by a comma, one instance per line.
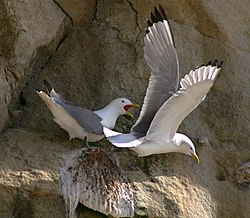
[125, 139]
[87, 119]
[160, 55]
[128, 140]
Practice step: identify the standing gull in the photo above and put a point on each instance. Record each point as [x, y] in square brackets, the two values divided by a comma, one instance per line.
[165, 106]
[80, 122]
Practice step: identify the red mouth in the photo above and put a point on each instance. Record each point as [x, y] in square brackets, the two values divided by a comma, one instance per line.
[127, 106]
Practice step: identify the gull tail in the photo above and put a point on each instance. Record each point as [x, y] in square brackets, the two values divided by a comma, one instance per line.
[48, 88]
[48, 101]
[123, 140]
[51, 91]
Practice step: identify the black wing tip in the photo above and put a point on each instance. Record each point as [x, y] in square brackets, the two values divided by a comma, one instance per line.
[47, 86]
[215, 63]
[162, 12]
[202, 65]
[209, 63]
[149, 23]
[158, 15]
[153, 18]
[220, 64]
[45, 81]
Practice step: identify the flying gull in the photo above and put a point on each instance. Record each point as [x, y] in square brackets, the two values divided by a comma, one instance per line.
[80, 122]
[165, 105]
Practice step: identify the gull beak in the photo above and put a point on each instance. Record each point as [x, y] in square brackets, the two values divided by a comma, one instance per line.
[195, 157]
[127, 106]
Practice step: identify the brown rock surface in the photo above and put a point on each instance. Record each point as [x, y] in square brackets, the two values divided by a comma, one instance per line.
[100, 57]
[29, 30]
[78, 10]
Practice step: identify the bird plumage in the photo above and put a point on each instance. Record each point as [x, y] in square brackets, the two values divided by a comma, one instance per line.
[81, 122]
[165, 106]
[160, 55]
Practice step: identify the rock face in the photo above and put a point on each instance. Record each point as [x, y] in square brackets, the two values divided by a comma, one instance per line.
[92, 53]
[23, 42]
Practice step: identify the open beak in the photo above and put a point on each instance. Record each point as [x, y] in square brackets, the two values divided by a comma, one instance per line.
[126, 108]
[195, 157]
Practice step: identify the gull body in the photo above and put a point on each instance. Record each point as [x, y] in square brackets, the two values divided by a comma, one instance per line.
[165, 104]
[80, 122]
[179, 143]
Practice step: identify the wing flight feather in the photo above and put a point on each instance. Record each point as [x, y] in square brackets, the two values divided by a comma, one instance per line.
[193, 90]
[161, 57]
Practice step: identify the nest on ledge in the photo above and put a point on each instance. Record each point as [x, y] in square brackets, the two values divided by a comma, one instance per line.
[94, 179]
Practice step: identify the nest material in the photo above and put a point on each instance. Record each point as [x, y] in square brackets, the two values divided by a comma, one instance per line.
[242, 174]
[92, 178]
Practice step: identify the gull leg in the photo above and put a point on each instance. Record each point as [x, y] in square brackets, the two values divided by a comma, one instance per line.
[86, 142]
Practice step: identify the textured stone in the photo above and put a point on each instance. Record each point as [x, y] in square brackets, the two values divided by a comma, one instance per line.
[5, 94]
[25, 27]
[29, 179]
[80, 11]
[33, 33]
[99, 60]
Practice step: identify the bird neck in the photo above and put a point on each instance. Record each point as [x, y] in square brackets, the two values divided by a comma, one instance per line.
[109, 115]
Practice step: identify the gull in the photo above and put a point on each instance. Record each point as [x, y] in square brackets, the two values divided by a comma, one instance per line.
[80, 122]
[165, 104]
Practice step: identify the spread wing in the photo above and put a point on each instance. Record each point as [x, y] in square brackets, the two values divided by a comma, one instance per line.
[194, 87]
[160, 55]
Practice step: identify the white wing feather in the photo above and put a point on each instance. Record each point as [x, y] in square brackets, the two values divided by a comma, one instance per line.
[160, 55]
[194, 87]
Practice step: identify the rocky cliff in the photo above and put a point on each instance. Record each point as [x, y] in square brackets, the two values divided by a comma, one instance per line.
[92, 53]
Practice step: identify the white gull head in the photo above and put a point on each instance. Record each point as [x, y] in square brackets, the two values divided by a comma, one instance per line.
[113, 110]
[185, 145]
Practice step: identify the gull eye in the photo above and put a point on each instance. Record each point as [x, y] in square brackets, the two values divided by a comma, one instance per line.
[123, 101]
[191, 148]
